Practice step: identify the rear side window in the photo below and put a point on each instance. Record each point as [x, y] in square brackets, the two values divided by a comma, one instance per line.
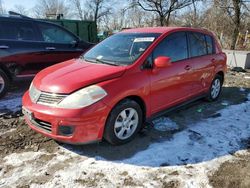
[54, 34]
[197, 44]
[17, 31]
[173, 46]
[210, 44]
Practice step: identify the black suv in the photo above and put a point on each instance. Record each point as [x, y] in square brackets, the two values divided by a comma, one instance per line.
[28, 45]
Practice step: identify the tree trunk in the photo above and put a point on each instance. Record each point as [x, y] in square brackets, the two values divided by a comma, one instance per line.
[96, 14]
[97, 7]
[236, 19]
[168, 18]
[162, 20]
[195, 14]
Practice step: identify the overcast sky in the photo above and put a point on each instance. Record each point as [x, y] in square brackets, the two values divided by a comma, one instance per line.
[10, 4]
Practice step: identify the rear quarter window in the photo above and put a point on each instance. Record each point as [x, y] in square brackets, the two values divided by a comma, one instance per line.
[210, 44]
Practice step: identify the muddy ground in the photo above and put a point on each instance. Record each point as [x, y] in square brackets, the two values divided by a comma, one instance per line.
[17, 137]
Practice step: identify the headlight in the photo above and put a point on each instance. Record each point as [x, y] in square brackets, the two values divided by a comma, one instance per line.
[34, 93]
[83, 97]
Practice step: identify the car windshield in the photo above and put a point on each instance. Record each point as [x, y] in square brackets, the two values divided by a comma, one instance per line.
[120, 49]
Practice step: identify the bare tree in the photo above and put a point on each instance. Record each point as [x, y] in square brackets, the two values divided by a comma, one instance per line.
[92, 9]
[217, 20]
[195, 12]
[51, 8]
[236, 20]
[127, 16]
[1, 7]
[113, 21]
[193, 15]
[79, 11]
[163, 8]
[98, 8]
[136, 17]
[234, 9]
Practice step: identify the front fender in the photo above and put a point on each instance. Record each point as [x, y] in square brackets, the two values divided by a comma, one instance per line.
[135, 84]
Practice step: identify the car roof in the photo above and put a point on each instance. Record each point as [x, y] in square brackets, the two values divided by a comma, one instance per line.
[20, 18]
[164, 30]
[13, 16]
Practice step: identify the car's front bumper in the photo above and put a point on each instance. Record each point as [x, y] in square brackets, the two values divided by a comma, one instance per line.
[87, 123]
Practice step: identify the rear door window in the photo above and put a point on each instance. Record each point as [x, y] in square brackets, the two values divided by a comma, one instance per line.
[54, 34]
[21, 31]
[8, 30]
[173, 46]
[197, 44]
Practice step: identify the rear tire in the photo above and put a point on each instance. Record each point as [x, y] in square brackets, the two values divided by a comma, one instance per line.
[4, 83]
[124, 122]
[215, 88]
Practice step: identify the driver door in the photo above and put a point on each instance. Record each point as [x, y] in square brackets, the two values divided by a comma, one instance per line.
[173, 84]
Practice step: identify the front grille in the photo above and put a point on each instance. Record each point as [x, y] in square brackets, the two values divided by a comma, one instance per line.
[50, 99]
[46, 126]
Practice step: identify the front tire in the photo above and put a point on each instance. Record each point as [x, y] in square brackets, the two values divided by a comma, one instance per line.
[215, 88]
[4, 83]
[124, 122]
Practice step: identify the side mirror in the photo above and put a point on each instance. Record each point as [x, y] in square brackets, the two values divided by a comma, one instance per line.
[162, 62]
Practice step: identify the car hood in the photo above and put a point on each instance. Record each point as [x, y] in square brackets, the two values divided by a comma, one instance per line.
[74, 74]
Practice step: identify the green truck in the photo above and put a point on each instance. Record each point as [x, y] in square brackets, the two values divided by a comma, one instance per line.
[86, 30]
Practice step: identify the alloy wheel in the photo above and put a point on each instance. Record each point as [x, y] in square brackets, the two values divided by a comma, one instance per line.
[2, 84]
[126, 123]
[215, 89]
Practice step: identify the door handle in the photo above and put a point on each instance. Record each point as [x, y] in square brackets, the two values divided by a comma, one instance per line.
[4, 47]
[188, 67]
[50, 48]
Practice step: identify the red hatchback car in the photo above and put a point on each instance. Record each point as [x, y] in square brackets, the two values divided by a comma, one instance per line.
[122, 82]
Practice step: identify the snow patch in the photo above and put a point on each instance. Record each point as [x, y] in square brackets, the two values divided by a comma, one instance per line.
[206, 140]
[165, 124]
[20, 159]
[94, 173]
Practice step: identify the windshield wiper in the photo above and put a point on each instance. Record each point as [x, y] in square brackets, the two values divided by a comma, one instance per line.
[101, 61]
[106, 62]
[89, 60]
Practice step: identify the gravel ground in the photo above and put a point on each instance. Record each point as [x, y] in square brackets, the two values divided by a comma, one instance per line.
[17, 139]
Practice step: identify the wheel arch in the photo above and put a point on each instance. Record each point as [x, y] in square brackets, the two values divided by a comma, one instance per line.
[139, 100]
[141, 103]
[221, 73]
[6, 71]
